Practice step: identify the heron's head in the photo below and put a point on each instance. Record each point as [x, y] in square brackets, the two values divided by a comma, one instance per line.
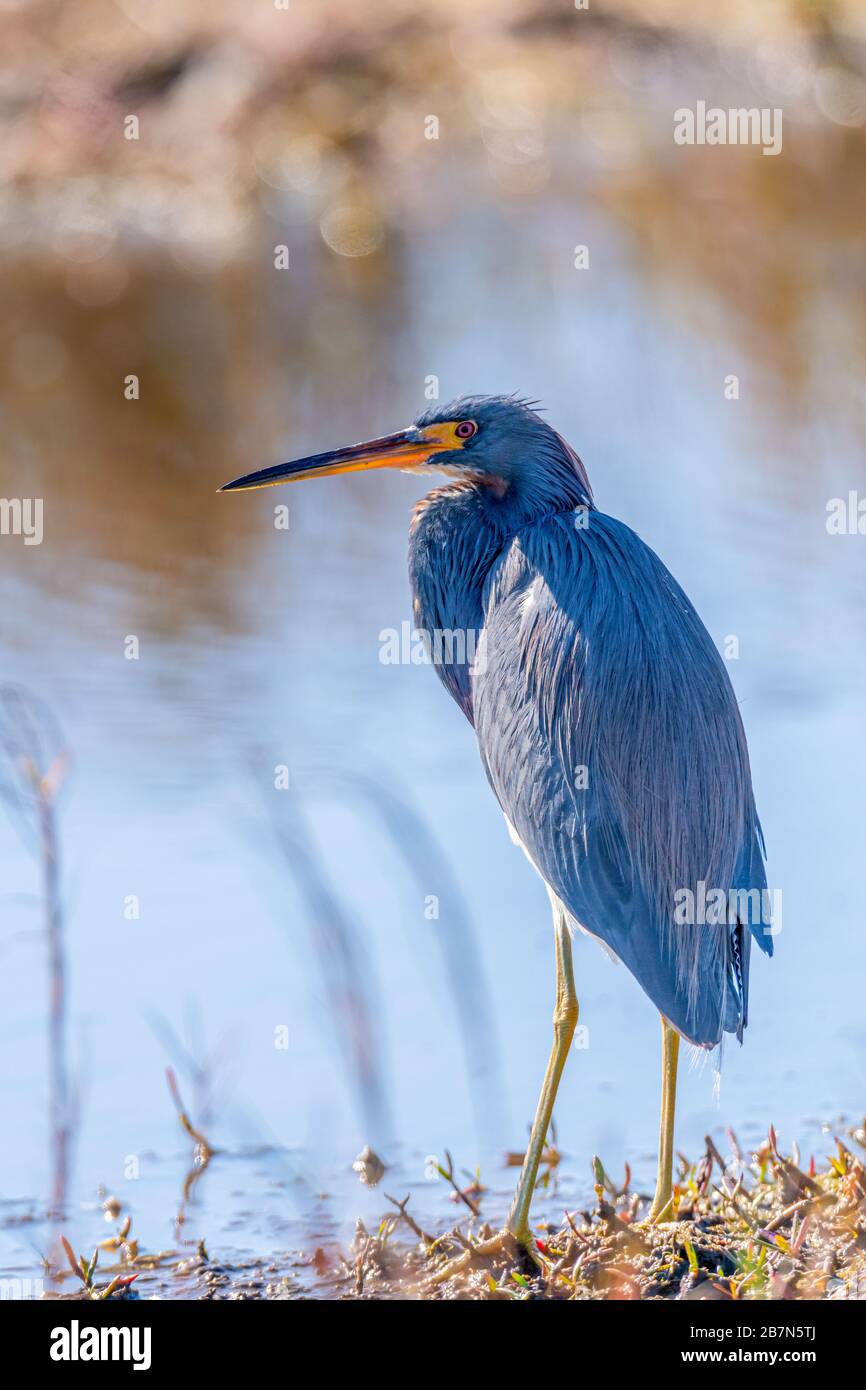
[497, 442]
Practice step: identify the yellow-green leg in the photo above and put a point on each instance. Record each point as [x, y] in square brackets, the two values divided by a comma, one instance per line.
[670, 1054]
[517, 1234]
[564, 1022]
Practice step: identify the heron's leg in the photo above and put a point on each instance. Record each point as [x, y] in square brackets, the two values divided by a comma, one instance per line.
[517, 1235]
[564, 1022]
[670, 1053]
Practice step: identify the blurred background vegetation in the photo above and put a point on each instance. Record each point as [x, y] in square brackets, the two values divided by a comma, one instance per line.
[306, 127]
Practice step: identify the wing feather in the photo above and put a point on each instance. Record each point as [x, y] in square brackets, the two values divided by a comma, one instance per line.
[611, 736]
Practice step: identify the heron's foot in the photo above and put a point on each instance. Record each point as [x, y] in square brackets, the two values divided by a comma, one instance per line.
[504, 1248]
[661, 1211]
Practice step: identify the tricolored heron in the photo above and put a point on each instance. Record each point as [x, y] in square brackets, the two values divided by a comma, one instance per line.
[606, 723]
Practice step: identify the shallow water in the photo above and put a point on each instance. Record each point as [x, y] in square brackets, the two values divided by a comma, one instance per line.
[261, 647]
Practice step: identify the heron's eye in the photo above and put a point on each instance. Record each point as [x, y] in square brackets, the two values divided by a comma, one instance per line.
[466, 429]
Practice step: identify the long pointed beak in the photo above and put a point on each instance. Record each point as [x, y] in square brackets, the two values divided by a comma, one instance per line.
[400, 450]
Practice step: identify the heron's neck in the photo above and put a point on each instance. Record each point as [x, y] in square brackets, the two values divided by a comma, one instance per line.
[453, 543]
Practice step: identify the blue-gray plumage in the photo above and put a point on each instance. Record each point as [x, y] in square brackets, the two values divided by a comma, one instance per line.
[593, 658]
[606, 723]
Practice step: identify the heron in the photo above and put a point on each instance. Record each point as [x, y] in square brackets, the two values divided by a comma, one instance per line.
[606, 722]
